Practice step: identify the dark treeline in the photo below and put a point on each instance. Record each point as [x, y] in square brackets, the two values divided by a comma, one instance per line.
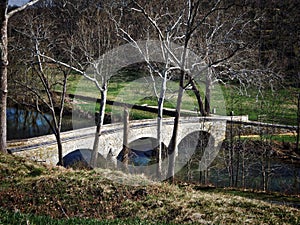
[274, 33]
[279, 37]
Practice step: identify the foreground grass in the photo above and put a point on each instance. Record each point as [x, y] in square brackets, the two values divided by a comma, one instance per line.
[17, 218]
[45, 195]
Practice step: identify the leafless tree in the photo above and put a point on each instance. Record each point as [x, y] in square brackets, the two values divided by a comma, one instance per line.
[5, 16]
[189, 19]
[42, 78]
[84, 48]
[159, 63]
[191, 24]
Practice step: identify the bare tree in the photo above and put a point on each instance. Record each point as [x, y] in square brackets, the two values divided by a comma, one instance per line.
[188, 20]
[190, 26]
[5, 16]
[92, 39]
[78, 48]
[52, 104]
[298, 125]
[160, 66]
[41, 78]
[126, 150]
[83, 48]
[192, 8]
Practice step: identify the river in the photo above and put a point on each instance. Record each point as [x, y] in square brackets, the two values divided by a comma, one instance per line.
[23, 123]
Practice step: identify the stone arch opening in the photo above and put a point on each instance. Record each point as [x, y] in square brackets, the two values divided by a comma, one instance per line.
[80, 158]
[191, 150]
[143, 152]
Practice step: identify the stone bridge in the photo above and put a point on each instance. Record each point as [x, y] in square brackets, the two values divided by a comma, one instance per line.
[43, 149]
[111, 140]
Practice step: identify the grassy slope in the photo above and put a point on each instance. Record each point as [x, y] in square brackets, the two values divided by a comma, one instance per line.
[34, 189]
[278, 106]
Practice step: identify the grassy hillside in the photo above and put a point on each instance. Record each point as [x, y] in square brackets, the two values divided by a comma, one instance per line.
[36, 194]
[274, 106]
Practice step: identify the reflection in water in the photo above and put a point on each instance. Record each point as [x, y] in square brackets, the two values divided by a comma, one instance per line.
[252, 170]
[141, 152]
[25, 123]
[80, 158]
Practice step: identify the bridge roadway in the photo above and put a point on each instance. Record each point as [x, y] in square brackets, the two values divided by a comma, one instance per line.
[44, 148]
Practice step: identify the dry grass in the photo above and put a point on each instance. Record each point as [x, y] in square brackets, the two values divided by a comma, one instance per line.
[28, 187]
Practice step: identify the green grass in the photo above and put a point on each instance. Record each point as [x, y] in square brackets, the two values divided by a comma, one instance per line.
[128, 85]
[278, 106]
[55, 195]
[127, 91]
[17, 218]
[285, 138]
[273, 106]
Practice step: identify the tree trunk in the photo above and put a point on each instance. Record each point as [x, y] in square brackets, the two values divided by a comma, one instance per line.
[3, 74]
[125, 158]
[59, 123]
[198, 96]
[237, 167]
[60, 149]
[100, 122]
[231, 154]
[159, 126]
[208, 85]
[243, 167]
[4, 16]
[172, 148]
[263, 174]
[189, 170]
[159, 147]
[298, 125]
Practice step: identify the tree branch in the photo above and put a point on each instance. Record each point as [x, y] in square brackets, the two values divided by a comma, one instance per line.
[72, 68]
[13, 12]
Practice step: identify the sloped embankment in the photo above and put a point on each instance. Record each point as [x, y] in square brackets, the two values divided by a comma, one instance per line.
[28, 187]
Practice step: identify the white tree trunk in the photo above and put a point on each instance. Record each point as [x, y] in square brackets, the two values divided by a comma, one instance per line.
[3, 79]
[160, 125]
[100, 122]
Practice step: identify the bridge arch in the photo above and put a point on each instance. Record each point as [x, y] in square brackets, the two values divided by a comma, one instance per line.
[143, 151]
[140, 136]
[81, 158]
[193, 141]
